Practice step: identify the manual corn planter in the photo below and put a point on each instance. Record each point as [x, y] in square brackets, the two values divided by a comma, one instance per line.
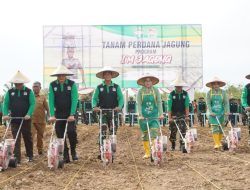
[7, 147]
[234, 138]
[56, 148]
[190, 136]
[157, 146]
[107, 142]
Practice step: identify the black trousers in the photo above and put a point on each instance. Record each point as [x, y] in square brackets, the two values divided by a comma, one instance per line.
[173, 131]
[27, 137]
[107, 126]
[71, 132]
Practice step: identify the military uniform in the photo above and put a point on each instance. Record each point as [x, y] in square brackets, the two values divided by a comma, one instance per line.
[177, 105]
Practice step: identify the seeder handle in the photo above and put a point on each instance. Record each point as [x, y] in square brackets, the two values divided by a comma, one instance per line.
[149, 135]
[175, 121]
[20, 126]
[220, 126]
[7, 128]
[181, 118]
[54, 126]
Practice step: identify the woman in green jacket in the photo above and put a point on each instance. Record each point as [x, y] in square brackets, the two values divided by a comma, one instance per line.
[218, 106]
[149, 106]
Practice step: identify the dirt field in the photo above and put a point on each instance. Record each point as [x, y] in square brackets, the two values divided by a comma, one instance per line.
[202, 169]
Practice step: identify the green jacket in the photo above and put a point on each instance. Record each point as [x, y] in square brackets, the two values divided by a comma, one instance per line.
[32, 102]
[95, 98]
[244, 97]
[170, 101]
[74, 98]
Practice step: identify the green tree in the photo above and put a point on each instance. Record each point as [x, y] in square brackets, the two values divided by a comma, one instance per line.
[234, 91]
[198, 94]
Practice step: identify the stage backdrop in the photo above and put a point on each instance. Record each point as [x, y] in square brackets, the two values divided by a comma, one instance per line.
[162, 50]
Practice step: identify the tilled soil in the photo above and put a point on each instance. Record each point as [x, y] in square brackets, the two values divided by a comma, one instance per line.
[202, 169]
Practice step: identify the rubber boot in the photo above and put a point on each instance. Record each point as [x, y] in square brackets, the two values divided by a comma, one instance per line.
[173, 146]
[216, 141]
[146, 149]
[220, 138]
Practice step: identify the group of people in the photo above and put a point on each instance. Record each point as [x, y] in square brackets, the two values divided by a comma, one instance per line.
[20, 102]
[26, 111]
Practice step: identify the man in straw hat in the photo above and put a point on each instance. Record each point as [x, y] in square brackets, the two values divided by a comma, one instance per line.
[178, 106]
[149, 106]
[63, 98]
[218, 106]
[107, 95]
[245, 99]
[19, 101]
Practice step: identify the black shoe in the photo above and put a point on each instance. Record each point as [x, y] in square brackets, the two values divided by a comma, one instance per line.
[40, 152]
[30, 159]
[173, 146]
[74, 157]
[66, 160]
[66, 157]
[99, 157]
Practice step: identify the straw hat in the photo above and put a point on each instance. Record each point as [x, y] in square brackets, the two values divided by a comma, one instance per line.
[179, 82]
[86, 91]
[107, 68]
[19, 78]
[141, 80]
[215, 79]
[248, 76]
[62, 70]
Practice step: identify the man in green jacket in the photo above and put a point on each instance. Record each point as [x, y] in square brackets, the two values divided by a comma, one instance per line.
[19, 101]
[107, 95]
[245, 99]
[178, 106]
[63, 97]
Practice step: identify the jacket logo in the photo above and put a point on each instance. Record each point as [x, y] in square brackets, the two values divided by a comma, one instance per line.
[69, 87]
[55, 88]
[25, 93]
[114, 89]
[101, 89]
[174, 97]
[12, 93]
[184, 96]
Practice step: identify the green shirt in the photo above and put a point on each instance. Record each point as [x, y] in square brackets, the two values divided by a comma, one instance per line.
[157, 94]
[32, 102]
[95, 98]
[224, 97]
[170, 100]
[74, 98]
[244, 97]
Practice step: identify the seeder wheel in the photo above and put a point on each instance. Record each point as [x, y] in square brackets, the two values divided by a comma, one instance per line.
[113, 147]
[225, 145]
[183, 149]
[61, 164]
[13, 163]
